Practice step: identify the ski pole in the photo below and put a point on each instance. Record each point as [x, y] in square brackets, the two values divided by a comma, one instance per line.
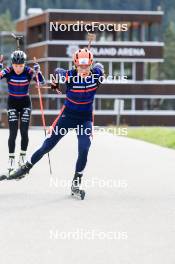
[42, 112]
[1, 58]
[18, 38]
[49, 87]
[91, 37]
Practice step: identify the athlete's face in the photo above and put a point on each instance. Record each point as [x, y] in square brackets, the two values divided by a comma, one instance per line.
[18, 68]
[83, 70]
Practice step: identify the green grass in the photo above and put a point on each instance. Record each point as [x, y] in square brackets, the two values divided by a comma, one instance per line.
[157, 135]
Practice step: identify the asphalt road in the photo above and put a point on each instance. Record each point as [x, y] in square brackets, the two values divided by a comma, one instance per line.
[128, 216]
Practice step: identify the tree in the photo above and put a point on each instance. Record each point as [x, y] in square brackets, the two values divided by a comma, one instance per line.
[6, 23]
[168, 67]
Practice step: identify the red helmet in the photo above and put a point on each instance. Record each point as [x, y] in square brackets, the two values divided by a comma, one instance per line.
[83, 57]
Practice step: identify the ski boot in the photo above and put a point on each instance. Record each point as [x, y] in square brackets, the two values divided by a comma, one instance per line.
[75, 188]
[20, 172]
[11, 163]
[22, 158]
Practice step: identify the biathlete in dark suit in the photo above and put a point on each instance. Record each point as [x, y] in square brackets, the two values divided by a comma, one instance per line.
[18, 77]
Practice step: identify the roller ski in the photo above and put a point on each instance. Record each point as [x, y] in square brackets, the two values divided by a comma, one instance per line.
[10, 169]
[11, 166]
[20, 172]
[3, 177]
[75, 188]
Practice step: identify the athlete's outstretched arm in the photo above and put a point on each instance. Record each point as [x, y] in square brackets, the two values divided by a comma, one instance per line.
[37, 70]
[59, 76]
[4, 72]
[99, 68]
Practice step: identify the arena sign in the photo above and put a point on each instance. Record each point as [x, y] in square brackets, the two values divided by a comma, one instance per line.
[120, 52]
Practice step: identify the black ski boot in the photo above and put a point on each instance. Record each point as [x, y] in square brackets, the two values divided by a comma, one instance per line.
[75, 188]
[20, 172]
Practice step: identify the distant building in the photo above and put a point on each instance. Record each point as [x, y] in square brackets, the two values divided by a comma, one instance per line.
[136, 53]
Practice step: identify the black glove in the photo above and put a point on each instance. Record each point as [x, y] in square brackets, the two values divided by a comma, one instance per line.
[54, 86]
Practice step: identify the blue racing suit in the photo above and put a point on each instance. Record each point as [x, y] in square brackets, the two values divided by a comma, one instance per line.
[76, 114]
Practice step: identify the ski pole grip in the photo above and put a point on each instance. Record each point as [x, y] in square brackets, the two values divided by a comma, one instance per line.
[1, 58]
[34, 59]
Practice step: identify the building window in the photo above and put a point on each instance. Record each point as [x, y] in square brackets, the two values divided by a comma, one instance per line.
[155, 104]
[36, 34]
[124, 69]
[116, 69]
[127, 104]
[104, 36]
[125, 35]
[106, 66]
[118, 36]
[107, 104]
[68, 35]
[155, 32]
[63, 64]
[104, 104]
[136, 31]
[151, 71]
[152, 32]
[128, 70]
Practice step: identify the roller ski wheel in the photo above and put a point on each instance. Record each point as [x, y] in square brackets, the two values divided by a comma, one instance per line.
[20, 172]
[78, 194]
[75, 188]
[6, 175]
[3, 177]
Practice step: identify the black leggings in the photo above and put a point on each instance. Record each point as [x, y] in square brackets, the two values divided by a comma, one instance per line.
[19, 111]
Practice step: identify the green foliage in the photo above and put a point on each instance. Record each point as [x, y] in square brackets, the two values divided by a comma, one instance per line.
[79, 4]
[162, 136]
[168, 67]
[6, 23]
